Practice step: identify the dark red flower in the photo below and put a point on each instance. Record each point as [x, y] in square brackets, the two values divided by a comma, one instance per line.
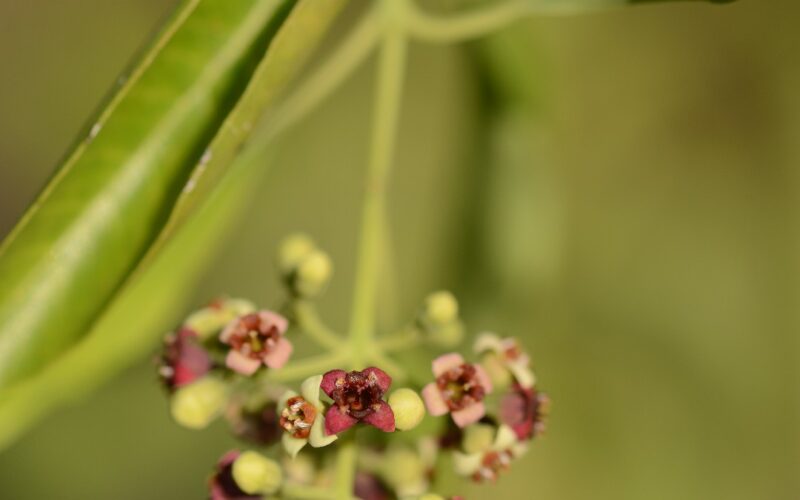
[524, 410]
[184, 360]
[222, 486]
[357, 396]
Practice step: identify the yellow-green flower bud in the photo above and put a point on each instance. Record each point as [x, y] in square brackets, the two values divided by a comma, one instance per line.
[441, 308]
[313, 274]
[407, 407]
[478, 438]
[496, 368]
[256, 474]
[293, 250]
[196, 405]
[430, 496]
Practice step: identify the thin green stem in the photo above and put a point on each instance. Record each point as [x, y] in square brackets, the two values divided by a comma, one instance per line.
[309, 366]
[348, 56]
[346, 456]
[390, 73]
[464, 26]
[309, 322]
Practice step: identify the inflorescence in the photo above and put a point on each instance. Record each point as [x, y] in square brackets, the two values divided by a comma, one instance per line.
[233, 360]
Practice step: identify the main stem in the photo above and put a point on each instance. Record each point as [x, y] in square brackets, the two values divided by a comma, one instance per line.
[390, 72]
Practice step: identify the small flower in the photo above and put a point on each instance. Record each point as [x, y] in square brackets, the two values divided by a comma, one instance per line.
[509, 354]
[357, 396]
[407, 407]
[301, 418]
[254, 339]
[482, 460]
[459, 389]
[222, 485]
[196, 405]
[524, 410]
[184, 360]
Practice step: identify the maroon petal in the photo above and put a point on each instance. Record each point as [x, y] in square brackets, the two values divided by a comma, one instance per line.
[330, 379]
[382, 418]
[381, 377]
[336, 421]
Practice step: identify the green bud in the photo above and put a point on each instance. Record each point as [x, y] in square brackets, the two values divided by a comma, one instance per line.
[210, 320]
[478, 438]
[293, 250]
[441, 308]
[196, 405]
[313, 274]
[497, 370]
[256, 474]
[407, 407]
[431, 496]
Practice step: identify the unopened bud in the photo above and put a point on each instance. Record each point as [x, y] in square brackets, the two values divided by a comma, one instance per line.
[196, 405]
[407, 407]
[478, 438]
[441, 308]
[313, 274]
[293, 250]
[208, 321]
[256, 474]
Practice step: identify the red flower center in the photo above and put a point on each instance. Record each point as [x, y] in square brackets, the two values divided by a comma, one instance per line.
[460, 387]
[358, 394]
[298, 416]
[252, 338]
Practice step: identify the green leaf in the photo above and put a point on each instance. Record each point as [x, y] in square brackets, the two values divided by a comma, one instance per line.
[155, 297]
[95, 219]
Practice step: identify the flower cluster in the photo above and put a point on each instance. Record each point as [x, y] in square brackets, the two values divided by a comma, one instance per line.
[231, 359]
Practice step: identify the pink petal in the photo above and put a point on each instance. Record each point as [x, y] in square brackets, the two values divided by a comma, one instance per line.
[384, 380]
[469, 415]
[434, 401]
[336, 421]
[270, 319]
[330, 379]
[227, 332]
[279, 354]
[238, 362]
[483, 378]
[445, 362]
[382, 418]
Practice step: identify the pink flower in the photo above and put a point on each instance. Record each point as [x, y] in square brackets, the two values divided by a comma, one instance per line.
[184, 360]
[524, 409]
[357, 396]
[459, 389]
[222, 486]
[255, 339]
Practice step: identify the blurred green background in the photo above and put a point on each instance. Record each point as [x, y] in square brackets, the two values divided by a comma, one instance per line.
[620, 190]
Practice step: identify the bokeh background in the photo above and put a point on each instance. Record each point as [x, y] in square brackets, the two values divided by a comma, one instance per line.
[620, 190]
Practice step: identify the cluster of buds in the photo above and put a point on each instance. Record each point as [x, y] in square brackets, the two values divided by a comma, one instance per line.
[231, 359]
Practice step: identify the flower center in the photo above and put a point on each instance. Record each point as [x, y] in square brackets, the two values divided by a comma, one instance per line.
[251, 338]
[297, 417]
[493, 463]
[460, 387]
[357, 394]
